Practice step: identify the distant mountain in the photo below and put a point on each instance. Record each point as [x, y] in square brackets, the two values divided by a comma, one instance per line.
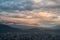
[6, 28]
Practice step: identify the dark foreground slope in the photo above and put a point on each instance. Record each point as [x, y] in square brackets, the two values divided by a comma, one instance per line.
[9, 33]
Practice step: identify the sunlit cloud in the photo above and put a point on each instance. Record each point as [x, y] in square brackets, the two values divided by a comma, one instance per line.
[57, 19]
[40, 19]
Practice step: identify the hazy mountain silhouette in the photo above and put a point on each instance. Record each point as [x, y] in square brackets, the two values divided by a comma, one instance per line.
[6, 28]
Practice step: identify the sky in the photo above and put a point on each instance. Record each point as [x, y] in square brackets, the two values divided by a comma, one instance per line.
[41, 13]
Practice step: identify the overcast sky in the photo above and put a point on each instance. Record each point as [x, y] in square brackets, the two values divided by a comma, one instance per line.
[41, 13]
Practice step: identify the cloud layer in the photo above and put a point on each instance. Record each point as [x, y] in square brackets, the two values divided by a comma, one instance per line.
[41, 13]
[39, 19]
[23, 5]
